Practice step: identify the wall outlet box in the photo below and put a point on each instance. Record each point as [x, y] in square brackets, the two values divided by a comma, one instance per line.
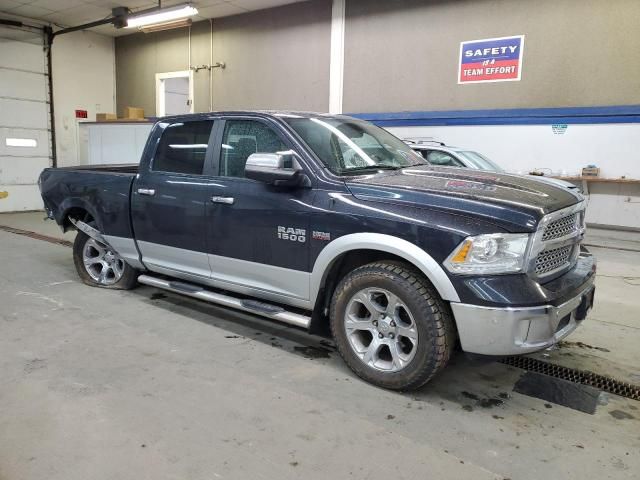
[590, 172]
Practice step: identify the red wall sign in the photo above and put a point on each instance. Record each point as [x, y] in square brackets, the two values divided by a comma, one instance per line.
[81, 114]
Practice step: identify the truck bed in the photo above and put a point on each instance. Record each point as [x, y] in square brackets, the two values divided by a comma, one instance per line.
[102, 191]
[116, 168]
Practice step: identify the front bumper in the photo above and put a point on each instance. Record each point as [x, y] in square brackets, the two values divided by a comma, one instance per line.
[511, 331]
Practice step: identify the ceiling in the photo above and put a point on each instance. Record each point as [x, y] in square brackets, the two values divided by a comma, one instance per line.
[69, 13]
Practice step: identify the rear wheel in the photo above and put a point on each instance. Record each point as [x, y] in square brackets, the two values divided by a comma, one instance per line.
[99, 266]
[390, 325]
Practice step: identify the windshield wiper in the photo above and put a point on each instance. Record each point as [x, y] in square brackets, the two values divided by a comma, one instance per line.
[372, 167]
[421, 164]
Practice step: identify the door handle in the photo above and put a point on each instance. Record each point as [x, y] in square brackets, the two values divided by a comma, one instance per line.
[225, 200]
[146, 191]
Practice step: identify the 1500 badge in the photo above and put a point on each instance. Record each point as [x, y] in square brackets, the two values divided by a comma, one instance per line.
[293, 234]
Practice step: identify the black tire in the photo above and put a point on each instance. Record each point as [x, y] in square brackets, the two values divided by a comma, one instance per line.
[431, 319]
[127, 281]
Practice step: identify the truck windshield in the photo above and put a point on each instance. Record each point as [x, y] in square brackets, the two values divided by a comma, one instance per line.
[479, 161]
[352, 146]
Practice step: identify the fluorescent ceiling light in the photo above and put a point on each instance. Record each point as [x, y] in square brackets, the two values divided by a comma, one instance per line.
[21, 142]
[161, 16]
[157, 27]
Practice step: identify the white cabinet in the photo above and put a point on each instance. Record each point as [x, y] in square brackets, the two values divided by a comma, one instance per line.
[104, 143]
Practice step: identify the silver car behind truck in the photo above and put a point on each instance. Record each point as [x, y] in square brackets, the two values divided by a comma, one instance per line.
[438, 153]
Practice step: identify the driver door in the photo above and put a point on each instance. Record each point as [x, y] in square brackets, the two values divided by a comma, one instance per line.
[257, 234]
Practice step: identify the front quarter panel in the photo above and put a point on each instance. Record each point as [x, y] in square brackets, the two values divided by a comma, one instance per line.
[421, 236]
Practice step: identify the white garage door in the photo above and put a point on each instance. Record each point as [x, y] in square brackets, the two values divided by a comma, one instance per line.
[24, 119]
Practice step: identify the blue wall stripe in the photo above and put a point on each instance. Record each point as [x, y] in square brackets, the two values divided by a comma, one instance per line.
[517, 116]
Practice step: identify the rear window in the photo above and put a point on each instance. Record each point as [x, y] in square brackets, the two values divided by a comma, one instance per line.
[183, 148]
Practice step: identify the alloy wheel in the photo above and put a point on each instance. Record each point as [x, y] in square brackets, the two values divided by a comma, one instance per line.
[103, 265]
[381, 329]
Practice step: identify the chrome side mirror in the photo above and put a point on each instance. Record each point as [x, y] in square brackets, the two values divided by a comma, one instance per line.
[274, 168]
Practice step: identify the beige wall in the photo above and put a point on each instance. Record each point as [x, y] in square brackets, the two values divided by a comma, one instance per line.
[399, 55]
[275, 59]
[403, 54]
[139, 57]
[83, 79]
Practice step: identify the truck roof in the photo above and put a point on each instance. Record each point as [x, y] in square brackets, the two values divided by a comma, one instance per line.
[260, 113]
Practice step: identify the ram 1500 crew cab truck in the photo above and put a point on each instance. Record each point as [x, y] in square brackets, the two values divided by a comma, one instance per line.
[330, 222]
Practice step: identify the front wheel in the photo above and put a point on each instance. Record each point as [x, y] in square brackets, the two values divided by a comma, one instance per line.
[97, 265]
[390, 326]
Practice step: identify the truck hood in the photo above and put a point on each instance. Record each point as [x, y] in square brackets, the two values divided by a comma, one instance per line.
[513, 202]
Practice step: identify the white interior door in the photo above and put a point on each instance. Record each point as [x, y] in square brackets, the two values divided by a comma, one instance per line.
[174, 93]
[24, 119]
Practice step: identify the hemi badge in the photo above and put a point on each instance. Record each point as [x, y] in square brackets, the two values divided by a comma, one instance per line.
[321, 236]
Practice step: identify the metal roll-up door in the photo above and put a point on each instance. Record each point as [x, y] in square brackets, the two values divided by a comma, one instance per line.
[25, 145]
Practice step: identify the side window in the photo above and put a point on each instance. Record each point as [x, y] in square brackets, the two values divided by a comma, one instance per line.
[435, 157]
[183, 148]
[241, 138]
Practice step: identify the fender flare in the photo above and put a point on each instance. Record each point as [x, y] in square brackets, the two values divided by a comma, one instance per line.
[69, 203]
[383, 243]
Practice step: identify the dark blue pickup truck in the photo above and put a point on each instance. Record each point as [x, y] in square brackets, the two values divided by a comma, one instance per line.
[332, 224]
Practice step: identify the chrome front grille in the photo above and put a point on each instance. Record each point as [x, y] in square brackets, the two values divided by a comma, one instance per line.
[561, 228]
[554, 259]
[556, 243]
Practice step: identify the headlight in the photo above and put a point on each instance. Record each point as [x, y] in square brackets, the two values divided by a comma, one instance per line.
[494, 253]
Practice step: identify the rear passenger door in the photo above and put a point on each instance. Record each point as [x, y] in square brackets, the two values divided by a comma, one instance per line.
[169, 197]
[257, 234]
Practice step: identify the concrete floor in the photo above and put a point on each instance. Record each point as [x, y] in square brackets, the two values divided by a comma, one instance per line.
[142, 384]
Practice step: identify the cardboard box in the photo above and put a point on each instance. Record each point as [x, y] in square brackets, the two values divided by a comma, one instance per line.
[133, 113]
[590, 172]
[106, 117]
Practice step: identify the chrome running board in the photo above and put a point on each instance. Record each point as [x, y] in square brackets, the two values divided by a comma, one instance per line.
[252, 306]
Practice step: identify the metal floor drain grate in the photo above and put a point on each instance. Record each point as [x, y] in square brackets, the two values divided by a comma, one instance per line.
[37, 236]
[602, 382]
